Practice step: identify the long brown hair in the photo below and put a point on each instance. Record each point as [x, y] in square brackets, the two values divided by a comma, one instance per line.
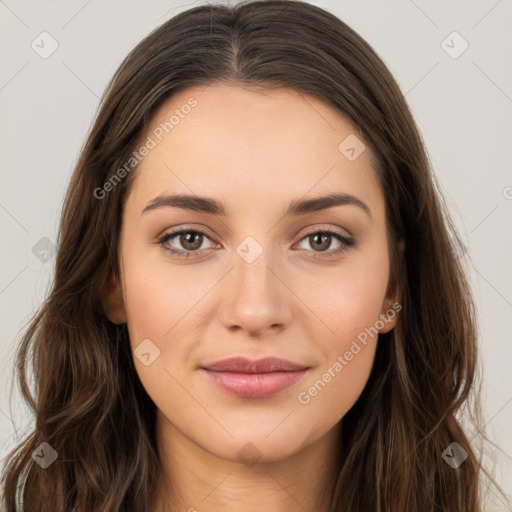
[89, 403]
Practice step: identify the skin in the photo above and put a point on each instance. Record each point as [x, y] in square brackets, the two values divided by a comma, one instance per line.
[254, 151]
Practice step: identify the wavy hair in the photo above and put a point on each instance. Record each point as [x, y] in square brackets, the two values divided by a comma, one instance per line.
[88, 402]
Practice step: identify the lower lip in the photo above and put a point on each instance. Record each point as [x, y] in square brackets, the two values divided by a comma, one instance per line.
[254, 385]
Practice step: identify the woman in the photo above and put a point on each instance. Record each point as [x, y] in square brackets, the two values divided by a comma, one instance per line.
[257, 303]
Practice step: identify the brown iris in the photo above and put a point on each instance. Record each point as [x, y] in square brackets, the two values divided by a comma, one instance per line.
[188, 238]
[323, 243]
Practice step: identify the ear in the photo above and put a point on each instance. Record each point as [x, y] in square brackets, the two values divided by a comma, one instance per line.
[392, 302]
[113, 301]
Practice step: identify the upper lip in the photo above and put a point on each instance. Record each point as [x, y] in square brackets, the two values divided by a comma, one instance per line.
[245, 365]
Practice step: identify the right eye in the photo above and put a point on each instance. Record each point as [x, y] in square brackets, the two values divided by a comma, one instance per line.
[190, 239]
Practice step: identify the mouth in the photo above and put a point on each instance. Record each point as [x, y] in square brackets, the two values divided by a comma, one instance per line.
[247, 378]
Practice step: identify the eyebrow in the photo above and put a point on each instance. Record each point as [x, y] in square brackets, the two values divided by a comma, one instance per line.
[295, 208]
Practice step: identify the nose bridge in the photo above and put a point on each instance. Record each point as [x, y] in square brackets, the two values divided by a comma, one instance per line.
[257, 299]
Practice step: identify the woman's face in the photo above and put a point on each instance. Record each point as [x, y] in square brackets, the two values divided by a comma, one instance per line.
[255, 280]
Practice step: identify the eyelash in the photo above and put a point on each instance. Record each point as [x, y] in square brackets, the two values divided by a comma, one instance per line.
[345, 240]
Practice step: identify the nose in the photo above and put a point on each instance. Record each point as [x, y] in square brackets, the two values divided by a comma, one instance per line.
[258, 299]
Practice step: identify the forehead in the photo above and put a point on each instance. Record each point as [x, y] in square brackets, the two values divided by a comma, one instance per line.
[247, 146]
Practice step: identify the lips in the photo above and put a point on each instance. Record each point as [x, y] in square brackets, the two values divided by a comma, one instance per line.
[243, 365]
[248, 378]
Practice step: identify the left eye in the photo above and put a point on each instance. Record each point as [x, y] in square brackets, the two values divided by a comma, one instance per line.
[322, 239]
[192, 241]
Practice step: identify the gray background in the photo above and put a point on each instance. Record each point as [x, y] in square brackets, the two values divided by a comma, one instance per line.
[463, 107]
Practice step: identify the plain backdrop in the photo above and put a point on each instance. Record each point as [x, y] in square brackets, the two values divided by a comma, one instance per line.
[461, 99]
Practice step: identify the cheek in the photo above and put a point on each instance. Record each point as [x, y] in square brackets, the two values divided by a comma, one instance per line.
[345, 301]
[159, 305]
[333, 389]
[349, 305]
[346, 357]
[165, 304]
[160, 298]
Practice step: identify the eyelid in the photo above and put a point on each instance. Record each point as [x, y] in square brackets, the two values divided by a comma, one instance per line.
[186, 228]
[324, 229]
